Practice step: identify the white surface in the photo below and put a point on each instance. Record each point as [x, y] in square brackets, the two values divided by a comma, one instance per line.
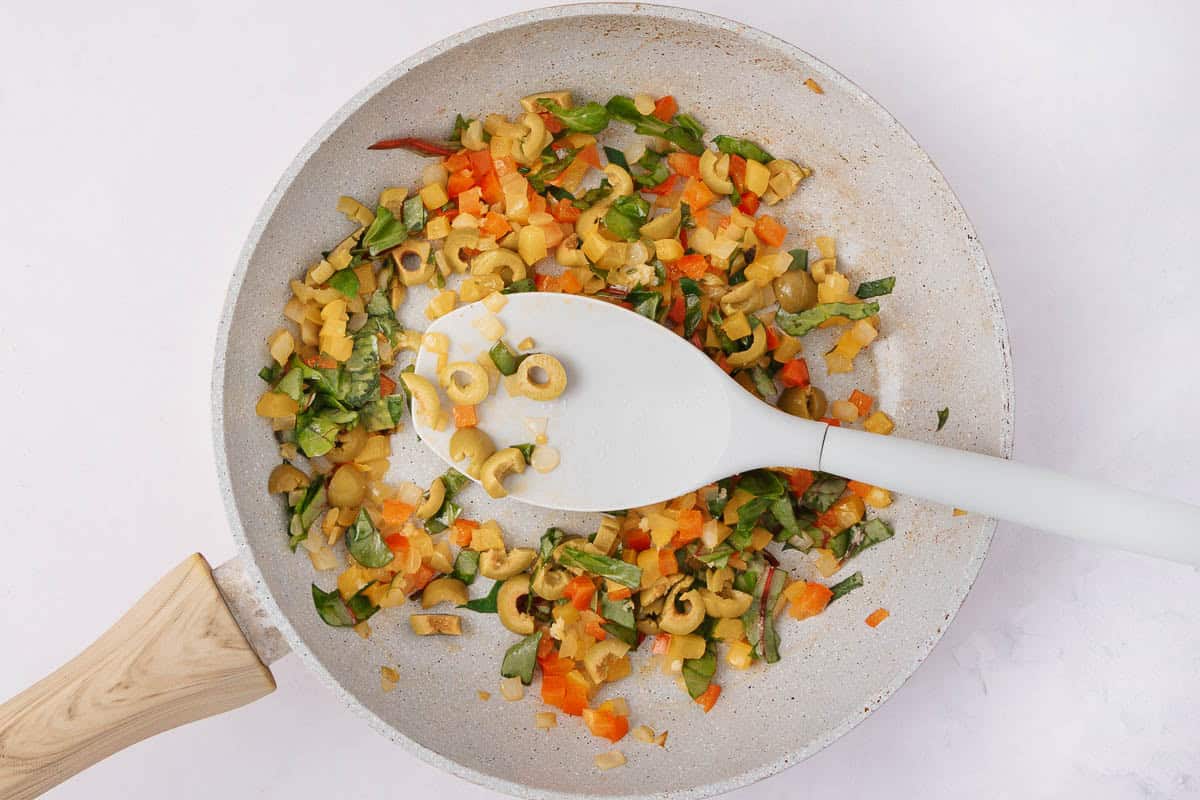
[137, 144]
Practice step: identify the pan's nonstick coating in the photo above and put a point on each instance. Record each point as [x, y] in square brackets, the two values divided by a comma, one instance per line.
[943, 344]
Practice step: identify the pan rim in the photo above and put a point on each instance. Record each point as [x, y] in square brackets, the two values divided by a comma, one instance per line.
[977, 257]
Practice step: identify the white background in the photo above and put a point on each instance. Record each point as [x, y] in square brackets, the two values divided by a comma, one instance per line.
[137, 143]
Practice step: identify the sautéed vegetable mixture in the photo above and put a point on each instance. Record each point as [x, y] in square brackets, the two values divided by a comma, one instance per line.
[679, 232]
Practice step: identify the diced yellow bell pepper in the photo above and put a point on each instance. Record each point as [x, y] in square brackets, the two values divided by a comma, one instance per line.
[880, 423]
[736, 326]
[433, 195]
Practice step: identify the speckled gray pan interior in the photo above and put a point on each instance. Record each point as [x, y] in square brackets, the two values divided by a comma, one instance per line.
[943, 343]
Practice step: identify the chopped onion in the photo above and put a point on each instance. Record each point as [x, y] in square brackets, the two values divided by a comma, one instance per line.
[643, 733]
[545, 720]
[536, 425]
[619, 706]
[511, 689]
[495, 301]
[544, 458]
[613, 758]
[489, 327]
[435, 173]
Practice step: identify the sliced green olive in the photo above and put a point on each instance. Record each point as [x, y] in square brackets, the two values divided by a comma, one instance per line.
[550, 583]
[501, 566]
[600, 657]
[679, 622]
[721, 607]
[808, 402]
[511, 617]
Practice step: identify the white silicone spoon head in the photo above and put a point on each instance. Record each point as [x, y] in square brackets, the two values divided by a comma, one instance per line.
[645, 417]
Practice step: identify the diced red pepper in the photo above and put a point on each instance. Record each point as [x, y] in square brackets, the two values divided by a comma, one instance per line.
[663, 188]
[662, 644]
[749, 203]
[553, 124]
[396, 542]
[459, 182]
[678, 310]
[636, 539]
[416, 145]
[737, 173]
[795, 373]
[772, 338]
[835, 423]
[387, 386]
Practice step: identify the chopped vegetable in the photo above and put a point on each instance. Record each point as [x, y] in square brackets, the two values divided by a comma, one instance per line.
[742, 147]
[942, 416]
[802, 322]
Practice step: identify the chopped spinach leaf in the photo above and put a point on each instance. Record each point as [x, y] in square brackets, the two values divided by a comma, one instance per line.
[414, 214]
[587, 118]
[627, 215]
[520, 659]
[611, 568]
[386, 231]
[845, 586]
[823, 493]
[365, 544]
[504, 358]
[517, 287]
[698, 672]
[742, 147]
[362, 371]
[799, 259]
[466, 566]
[682, 136]
[800, 323]
[484, 605]
[551, 539]
[615, 156]
[876, 288]
[943, 415]
[691, 305]
[717, 500]
[646, 302]
[444, 517]
[344, 281]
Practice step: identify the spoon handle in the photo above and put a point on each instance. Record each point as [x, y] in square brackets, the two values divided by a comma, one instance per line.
[1028, 495]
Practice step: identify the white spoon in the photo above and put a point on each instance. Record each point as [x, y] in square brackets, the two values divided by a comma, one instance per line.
[647, 417]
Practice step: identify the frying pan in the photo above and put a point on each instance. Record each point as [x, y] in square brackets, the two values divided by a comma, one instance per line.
[197, 645]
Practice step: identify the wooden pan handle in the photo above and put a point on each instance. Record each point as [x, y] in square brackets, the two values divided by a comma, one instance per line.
[175, 657]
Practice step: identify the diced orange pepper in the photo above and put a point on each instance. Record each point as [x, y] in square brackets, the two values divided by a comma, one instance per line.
[545, 648]
[589, 155]
[795, 373]
[737, 172]
[396, 512]
[709, 698]
[808, 600]
[862, 402]
[546, 283]
[662, 644]
[555, 665]
[690, 523]
[685, 164]
[772, 338]
[387, 386]
[877, 616]
[554, 689]
[606, 724]
[471, 201]
[569, 282]
[577, 691]
[465, 417]
[831, 421]
[537, 203]
[490, 185]
[697, 195]
[481, 162]
[504, 165]
[623, 593]
[396, 542]
[459, 182]
[580, 589]
[859, 488]
[594, 630]
[665, 108]
[667, 563]
[768, 230]
[458, 161]
[463, 528]
[800, 480]
[693, 266]
[565, 211]
[553, 232]
[495, 225]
